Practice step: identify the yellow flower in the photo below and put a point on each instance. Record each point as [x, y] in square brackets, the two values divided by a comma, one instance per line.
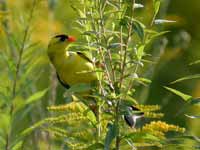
[159, 128]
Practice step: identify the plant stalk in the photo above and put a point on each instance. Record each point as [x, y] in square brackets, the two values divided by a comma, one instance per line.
[123, 69]
[16, 77]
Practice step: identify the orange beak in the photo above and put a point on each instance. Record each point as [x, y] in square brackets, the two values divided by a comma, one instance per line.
[71, 39]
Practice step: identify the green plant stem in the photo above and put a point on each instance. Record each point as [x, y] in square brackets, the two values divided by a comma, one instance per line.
[123, 68]
[18, 65]
[21, 52]
[101, 89]
[130, 84]
[123, 65]
[101, 12]
[100, 38]
[117, 117]
[124, 57]
[98, 123]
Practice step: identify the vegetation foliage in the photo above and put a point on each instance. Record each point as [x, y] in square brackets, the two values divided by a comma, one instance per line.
[36, 113]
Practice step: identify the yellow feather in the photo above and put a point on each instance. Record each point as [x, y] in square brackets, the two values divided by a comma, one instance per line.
[70, 66]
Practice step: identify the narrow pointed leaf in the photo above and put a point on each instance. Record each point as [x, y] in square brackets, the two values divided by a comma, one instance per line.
[196, 76]
[138, 27]
[192, 117]
[95, 146]
[156, 6]
[192, 137]
[155, 35]
[195, 101]
[140, 52]
[145, 80]
[36, 96]
[141, 136]
[111, 134]
[180, 94]
[195, 62]
[18, 145]
[161, 21]
[138, 6]
[33, 98]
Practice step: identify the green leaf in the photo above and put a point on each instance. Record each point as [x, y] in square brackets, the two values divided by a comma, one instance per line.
[29, 70]
[161, 21]
[36, 96]
[156, 6]
[192, 117]
[138, 5]
[28, 130]
[140, 52]
[178, 93]
[123, 21]
[9, 62]
[40, 123]
[145, 80]
[155, 35]
[95, 146]
[115, 45]
[148, 61]
[80, 46]
[191, 137]
[78, 11]
[138, 136]
[33, 98]
[196, 76]
[90, 33]
[180, 146]
[138, 27]
[18, 145]
[195, 62]
[113, 4]
[111, 134]
[91, 116]
[195, 101]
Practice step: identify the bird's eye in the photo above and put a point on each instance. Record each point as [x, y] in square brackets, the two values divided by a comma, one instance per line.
[63, 38]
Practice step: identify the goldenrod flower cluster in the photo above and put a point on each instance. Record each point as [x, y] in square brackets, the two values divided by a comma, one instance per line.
[153, 115]
[74, 106]
[147, 108]
[159, 128]
[58, 108]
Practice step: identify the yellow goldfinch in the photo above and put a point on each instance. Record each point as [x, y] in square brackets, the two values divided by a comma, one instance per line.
[72, 67]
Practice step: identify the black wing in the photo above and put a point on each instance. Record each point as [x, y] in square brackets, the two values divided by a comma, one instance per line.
[132, 118]
[84, 56]
[61, 82]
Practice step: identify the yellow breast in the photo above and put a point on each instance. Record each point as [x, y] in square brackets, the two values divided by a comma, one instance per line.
[73, 69]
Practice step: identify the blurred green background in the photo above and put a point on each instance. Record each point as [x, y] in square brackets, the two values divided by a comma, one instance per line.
[181, 47]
